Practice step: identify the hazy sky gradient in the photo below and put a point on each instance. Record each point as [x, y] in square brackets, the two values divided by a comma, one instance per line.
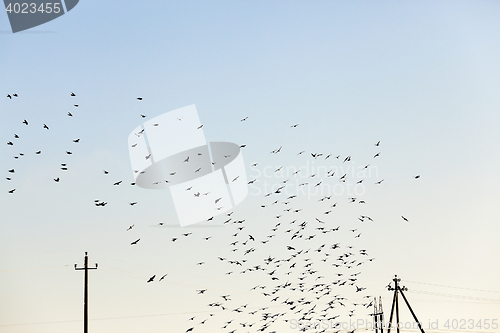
[422, 77]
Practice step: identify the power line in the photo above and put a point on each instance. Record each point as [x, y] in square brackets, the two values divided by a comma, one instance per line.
[32, 269]
[454, 296]
[441, 285]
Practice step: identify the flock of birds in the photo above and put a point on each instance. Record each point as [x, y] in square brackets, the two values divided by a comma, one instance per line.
[300, 267]
[12, 171]
[290, 277]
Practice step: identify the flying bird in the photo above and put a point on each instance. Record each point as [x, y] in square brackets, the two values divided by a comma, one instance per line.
[45, 126]
[25, 122]
[135, 242]
[73, 94]
[152, 278]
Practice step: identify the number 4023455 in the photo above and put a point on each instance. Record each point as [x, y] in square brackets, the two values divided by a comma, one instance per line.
[32, 8]
[471, 323]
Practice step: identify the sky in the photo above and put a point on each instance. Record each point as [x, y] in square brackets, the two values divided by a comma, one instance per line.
[421, 79]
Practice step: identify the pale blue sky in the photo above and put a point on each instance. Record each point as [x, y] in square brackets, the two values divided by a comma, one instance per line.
[422, 77]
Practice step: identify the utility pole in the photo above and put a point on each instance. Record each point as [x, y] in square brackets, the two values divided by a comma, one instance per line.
[397, 289]
[378, 315]
[86, 291]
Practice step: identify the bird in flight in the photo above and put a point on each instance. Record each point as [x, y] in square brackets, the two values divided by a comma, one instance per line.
[417, 176]
[25, 122]
[404, 218]
[45, 126]
[152, 278]
[244, 119]
[130, 228]
[377, 144]
[76, 141]
[135, 242]
[73, 94]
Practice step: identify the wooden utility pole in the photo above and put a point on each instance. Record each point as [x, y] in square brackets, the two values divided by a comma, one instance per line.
[397, 289]
[86, 291]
